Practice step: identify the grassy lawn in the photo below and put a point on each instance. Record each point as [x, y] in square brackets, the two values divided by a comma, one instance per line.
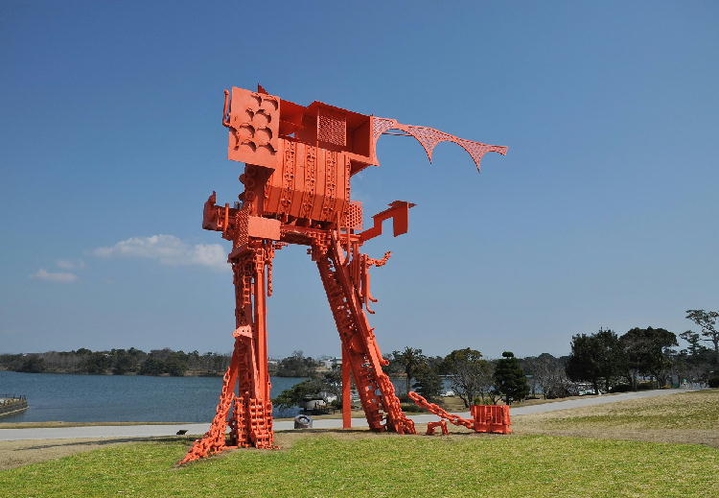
[691, 417]
[537, 461]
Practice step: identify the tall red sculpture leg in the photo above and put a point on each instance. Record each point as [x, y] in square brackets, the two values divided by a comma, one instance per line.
[254, 428]
[346, 390]
[245, 406]
[376, 391]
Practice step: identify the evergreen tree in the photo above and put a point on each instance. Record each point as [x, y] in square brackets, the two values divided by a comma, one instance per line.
[648, 352]
[428, 383]
[411, 360]
[97, 363]
[297, 365]
[329, 384]
[509, 379]
[32, 364]
[597, 357]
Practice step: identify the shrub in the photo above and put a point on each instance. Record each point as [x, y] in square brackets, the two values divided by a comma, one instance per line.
[411, 408]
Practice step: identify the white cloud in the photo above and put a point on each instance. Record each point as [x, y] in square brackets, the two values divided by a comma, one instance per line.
[212, 255]
[168, 250]
[70, 264]
[62, 277]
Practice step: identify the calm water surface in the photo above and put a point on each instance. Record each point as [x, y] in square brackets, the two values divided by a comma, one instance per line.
[119, 398]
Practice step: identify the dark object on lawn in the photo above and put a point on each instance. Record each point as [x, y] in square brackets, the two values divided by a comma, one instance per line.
[303, 422]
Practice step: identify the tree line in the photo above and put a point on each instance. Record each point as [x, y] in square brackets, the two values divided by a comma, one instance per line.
[118, 362]
[599, 362]
[604, 361]
[134, 361]
[647, 356]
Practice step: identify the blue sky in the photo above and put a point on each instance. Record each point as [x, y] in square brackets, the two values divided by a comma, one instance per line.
[603, 213]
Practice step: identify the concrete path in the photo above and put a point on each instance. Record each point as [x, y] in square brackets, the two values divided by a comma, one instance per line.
[166, 430]
[592, 400]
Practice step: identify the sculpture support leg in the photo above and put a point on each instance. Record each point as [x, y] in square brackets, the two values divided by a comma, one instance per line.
[245, 406]
[346, 390]
[376, 392]
[254, 428]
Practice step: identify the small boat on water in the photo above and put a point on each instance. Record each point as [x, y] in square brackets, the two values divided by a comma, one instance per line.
[10, 404]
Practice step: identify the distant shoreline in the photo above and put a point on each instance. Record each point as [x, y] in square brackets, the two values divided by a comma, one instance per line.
[136, 374]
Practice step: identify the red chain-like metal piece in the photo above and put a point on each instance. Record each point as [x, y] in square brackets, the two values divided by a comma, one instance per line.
[486, 418]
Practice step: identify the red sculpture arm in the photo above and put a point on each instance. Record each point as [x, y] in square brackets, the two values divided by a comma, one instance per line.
[399, 213]
[429, 138]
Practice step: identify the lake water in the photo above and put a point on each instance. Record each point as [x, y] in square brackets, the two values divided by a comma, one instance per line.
[119, 398]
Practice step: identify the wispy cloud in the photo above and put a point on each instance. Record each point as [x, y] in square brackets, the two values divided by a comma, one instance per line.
[70, 264]
[168, 250]
[61, 277]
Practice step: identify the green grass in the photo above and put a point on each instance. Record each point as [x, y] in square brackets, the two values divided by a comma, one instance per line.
[697, 410]
[352, 463]
[384, 465]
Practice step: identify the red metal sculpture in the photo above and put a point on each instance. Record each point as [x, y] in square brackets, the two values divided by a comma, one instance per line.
[299, 161]
[485, 418]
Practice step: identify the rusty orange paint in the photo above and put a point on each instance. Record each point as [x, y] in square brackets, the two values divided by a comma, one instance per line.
[485, 418]
[296, 190]
[432, 427]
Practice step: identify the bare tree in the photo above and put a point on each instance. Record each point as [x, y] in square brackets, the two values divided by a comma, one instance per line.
[471, 375]
[549, 373]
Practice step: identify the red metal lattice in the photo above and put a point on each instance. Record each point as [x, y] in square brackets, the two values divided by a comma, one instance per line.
[332, 129]
[429, 138]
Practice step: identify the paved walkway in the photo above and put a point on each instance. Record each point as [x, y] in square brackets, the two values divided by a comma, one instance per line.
[166, 430]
